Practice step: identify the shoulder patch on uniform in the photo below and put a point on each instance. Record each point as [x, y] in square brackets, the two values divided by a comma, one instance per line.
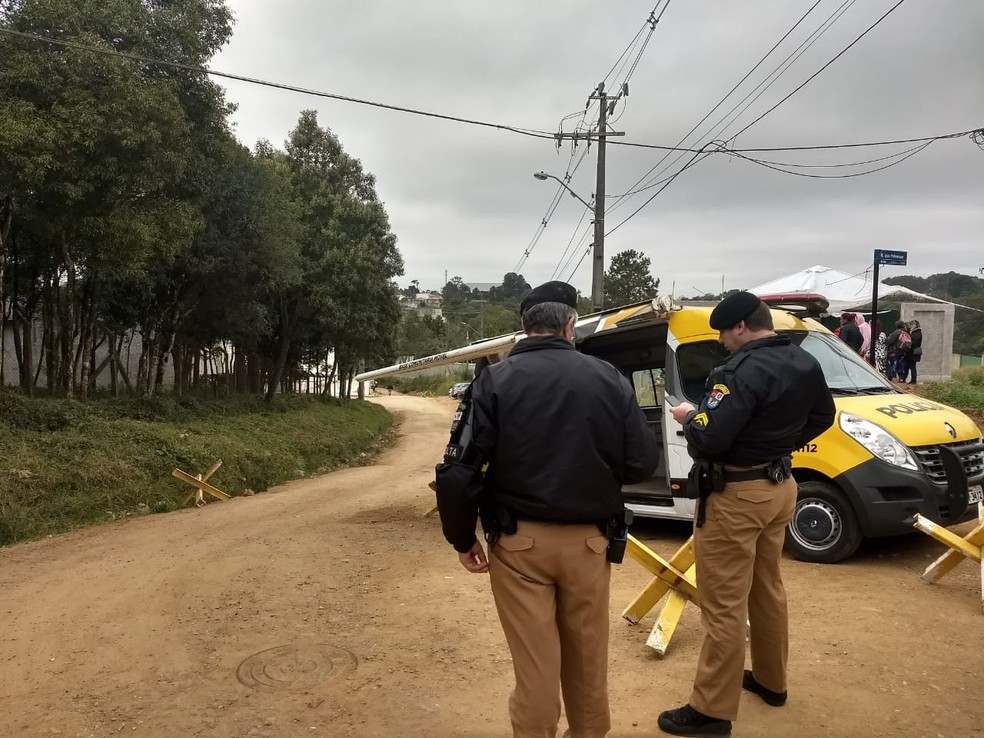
[716, 395]
[701, 420]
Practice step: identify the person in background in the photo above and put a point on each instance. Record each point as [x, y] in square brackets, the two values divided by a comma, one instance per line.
[850, 333]
[865, 327]
[881, 350]
[914, 354]
[895, 346]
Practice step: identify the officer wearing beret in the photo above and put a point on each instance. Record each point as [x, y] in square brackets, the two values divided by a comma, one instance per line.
[768, 399]
[561, 433]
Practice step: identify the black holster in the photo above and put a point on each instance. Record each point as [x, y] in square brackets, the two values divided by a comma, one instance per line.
[497, 521]
[705, 477]
[617, 532]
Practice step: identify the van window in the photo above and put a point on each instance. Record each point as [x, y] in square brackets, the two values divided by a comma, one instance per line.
[648, 384]
[845, 371]
[696, 361]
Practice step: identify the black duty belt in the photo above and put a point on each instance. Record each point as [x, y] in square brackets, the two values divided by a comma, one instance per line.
[775, 471]
[747, 475]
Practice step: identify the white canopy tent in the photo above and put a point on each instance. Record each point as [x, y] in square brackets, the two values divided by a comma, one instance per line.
[843, 291]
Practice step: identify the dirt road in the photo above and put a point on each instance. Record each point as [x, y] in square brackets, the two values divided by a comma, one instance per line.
[332, 607]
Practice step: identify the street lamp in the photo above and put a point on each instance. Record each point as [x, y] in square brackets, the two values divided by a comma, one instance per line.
[598, 246]
[543, 176]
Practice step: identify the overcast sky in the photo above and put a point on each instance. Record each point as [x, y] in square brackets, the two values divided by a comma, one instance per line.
[462, 199]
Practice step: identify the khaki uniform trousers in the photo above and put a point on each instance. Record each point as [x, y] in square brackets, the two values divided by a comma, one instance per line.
[551, 583]
[738, 551]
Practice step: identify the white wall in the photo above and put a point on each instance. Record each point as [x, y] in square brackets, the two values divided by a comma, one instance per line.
[936, 321]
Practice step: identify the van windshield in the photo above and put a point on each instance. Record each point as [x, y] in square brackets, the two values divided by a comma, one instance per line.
[845, 371]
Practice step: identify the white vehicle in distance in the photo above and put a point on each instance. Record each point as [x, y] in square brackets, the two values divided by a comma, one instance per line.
[458, 389]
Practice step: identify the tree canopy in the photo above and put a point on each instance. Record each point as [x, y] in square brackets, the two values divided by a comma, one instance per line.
[629, 279]
[131, 218]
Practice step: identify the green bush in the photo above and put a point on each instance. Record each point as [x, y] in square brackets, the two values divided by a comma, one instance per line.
[64, 464]
[430, 385]
[972, 375]
[965, 390]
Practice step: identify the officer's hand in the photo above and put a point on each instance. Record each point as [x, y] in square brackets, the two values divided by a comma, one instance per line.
[475, 560]
[680, 412]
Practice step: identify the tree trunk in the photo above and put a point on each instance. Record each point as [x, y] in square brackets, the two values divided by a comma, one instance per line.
[118, 362]
[41, 361]
[254, 371]
[5, 225]
[84, 329]
[50, 342]
[113, 386]
[196, 372]
[15, 325]
[177, 366]
[143, 363]
[283, 350]
[330, 379]
[68, 321]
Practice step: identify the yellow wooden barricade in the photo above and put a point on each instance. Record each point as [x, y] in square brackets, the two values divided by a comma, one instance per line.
[201, 485]
[970, 547]
[675, 579]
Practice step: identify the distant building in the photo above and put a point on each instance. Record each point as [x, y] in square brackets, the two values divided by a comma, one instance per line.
[423, 304]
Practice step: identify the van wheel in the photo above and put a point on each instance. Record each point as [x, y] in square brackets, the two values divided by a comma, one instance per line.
[824, 528]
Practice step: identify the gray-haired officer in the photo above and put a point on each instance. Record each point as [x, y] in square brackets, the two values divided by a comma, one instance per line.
[768, 399]
[561, 432]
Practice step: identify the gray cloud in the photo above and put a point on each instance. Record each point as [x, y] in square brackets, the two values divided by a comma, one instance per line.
[462, 199]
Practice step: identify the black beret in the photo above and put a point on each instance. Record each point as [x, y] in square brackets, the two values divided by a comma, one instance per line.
[733, 309]
[549, 292]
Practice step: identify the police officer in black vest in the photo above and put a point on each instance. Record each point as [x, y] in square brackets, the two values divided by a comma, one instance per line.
[768, 399]
[561, 432]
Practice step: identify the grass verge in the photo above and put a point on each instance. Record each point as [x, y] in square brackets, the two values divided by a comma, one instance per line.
[64, 464]
[431, 385]
[965, 391]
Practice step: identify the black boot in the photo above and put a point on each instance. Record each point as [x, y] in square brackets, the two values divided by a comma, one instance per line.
[748, 683]
[687, 721]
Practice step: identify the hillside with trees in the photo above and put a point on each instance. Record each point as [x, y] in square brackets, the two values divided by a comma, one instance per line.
[964, 289]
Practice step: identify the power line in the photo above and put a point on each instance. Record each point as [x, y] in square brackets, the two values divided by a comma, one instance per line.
[904, 155]
[570, 242]
[717, 129]
[651, 22]
[819, 71]
[512, 129]
[554, 203]
[695, 159]
[729, 93]
[816, 147]
[834, 166]
[278, 85]
[784, 66]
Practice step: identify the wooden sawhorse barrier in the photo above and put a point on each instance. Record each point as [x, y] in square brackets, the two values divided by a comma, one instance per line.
[674, 579]
[971, 546]
[201, 485]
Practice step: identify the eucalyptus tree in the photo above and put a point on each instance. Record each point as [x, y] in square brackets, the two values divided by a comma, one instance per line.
[105, 164]
[344, 296]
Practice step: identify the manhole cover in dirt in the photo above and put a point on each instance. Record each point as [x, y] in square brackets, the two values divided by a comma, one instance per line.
[285, 667]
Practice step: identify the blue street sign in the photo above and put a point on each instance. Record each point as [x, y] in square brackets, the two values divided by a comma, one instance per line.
[892, 258]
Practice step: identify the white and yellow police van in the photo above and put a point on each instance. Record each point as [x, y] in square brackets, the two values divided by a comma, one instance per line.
[888, 455]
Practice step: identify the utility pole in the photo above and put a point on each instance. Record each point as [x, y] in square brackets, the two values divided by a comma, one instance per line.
[607, 105]
[598, 264]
